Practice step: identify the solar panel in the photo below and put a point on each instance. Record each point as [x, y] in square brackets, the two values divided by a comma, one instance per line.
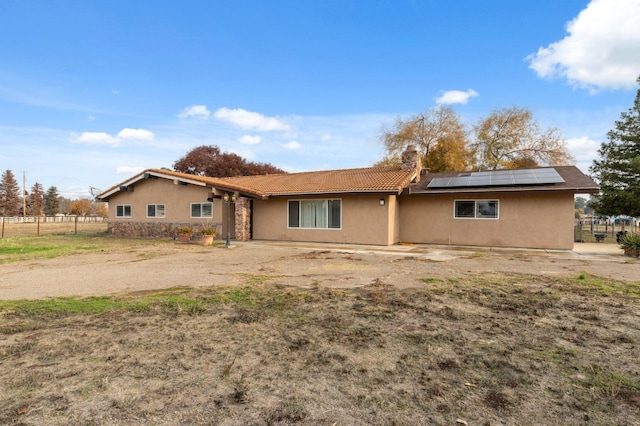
[542, 176]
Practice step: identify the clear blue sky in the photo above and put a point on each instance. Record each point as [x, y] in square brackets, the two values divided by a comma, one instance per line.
[93, 91]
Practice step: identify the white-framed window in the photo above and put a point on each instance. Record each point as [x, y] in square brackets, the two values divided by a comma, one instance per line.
[202, 209]
[314, 214]
[476, 209]
[155, 210]
[123, 210]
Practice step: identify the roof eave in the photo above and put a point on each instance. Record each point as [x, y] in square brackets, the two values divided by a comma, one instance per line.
[145, 175]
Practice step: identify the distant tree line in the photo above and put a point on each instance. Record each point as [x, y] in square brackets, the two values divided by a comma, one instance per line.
[41, 203]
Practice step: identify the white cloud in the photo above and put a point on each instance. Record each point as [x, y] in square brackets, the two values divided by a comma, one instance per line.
[250, 140]
[115, 91]
[601, 50]
[136, 134]
[250, 120]
[96, 138]
[584, 150]
[292, 145]
[456, 97]
[129, 170]
[199, 112]
[91, 118]
[105, 139]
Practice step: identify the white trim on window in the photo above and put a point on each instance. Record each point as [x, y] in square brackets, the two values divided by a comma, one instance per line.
[156, 211]
[315, 214]
[476, 209]
[201, 210]
[122, 210]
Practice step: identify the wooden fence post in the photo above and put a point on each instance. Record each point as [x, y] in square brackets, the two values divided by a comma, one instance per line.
[76, 225]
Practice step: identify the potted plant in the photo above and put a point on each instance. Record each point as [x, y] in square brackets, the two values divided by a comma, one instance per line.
[184, 233]
[630, 243]
[208, 233]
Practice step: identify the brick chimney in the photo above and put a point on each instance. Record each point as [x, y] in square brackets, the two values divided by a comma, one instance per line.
[411, 161]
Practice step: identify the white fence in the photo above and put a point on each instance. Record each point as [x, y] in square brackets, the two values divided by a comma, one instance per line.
[53, 219]
[40, 225]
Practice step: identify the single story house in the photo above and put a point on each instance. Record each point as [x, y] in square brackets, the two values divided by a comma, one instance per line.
[529, 208]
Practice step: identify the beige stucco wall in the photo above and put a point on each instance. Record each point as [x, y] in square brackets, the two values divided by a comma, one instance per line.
[177, 200]
[364, 221]
[530, 220]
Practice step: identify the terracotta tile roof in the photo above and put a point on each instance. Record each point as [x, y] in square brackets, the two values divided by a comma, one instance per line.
[372, 179]
[574, 181]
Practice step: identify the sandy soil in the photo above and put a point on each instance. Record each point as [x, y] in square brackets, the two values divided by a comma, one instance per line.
[336, 266]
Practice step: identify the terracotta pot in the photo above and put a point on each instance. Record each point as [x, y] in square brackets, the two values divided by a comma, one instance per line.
[184, 238]
[207, 240]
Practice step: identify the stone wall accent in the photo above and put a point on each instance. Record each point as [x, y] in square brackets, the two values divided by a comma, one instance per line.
[156, 229]
[243, 219]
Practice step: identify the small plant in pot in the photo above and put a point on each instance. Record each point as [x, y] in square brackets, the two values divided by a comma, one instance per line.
[630, 243]
[184, 233]
[208, 234]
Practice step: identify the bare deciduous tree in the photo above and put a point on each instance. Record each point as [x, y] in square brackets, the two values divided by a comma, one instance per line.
[438, 134]
[81, 207]
[511, 138]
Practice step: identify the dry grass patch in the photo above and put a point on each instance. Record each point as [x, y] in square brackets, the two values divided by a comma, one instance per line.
[494, 349]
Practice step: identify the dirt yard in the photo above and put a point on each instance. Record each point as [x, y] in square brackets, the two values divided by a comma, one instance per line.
[271, 334]
[167, 264]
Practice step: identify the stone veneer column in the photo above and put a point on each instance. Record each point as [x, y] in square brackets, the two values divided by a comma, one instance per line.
[243, 219]
[411, 160]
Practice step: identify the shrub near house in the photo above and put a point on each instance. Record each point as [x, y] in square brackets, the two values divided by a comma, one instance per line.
[630, 243]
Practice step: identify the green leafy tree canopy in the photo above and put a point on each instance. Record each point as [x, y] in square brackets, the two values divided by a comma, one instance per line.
[36, 200]
[618, 169]
[51, 201]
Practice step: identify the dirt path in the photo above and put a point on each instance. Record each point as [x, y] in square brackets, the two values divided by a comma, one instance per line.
[171, 265]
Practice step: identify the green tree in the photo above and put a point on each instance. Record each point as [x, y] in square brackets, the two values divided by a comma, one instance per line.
[51, 201]
[437, 134]
[618, 170]
[9, 195]
[36, 200]
[511, 138]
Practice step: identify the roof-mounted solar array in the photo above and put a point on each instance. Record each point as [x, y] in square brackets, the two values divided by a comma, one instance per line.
[499, 178]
